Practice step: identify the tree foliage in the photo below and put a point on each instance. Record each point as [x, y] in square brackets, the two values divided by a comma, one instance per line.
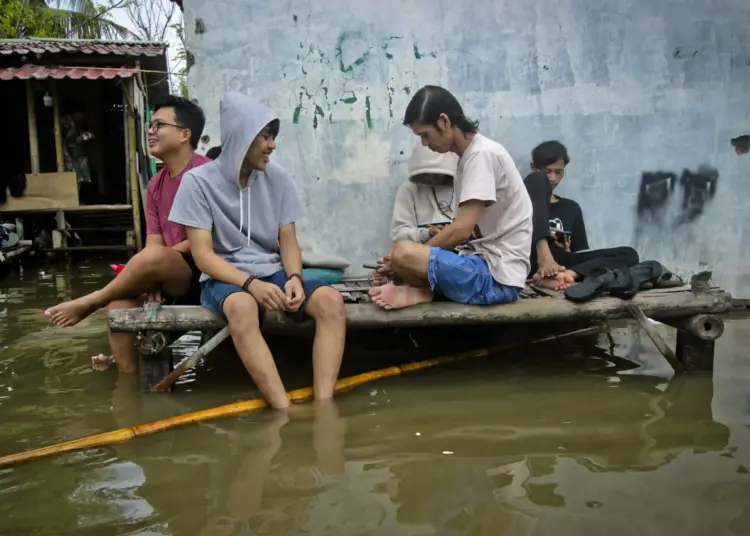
[73, 19]
[180, 67]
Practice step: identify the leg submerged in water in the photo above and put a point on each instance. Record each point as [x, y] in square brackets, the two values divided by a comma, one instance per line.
[241, 311]
[326, 307]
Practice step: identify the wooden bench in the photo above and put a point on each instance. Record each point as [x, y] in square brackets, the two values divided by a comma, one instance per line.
[691, 309]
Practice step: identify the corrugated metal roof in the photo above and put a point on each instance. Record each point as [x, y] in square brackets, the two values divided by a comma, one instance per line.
[39, 72]
[81, 46]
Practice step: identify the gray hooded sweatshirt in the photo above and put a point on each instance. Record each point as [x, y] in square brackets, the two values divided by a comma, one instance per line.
[244, 222]
[419, 203]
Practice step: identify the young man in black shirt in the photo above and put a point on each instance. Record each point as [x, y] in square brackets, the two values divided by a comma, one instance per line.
[559, 241]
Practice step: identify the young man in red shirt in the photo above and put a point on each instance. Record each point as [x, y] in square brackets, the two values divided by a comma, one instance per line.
[164, 271]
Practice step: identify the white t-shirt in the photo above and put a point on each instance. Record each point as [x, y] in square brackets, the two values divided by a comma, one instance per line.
[502, 236]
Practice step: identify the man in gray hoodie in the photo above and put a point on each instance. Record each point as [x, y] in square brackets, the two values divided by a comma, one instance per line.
[239, 212]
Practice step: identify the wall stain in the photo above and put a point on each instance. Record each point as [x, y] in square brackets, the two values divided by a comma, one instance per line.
[391, 91]
[741, 144]
[318, 101]
[297, 110]
[419, 55]
[368, 114]
[343, 38]
[349, 100]
[385, 46]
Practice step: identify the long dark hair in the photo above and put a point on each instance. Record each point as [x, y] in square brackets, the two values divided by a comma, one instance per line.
[431, 101]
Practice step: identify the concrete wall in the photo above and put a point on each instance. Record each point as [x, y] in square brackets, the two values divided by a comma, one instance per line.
[643, 92]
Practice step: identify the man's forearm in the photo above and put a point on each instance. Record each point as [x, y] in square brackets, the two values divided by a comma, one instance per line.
[448, 238]
[291, 258]
[153, 239]
[182, 247]
[218, 269]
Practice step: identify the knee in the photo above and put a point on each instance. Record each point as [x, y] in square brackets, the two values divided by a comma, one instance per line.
[122, 304]
[149, 260]
[537, 182]
[241, 311]
[327, 304]
[402, 254]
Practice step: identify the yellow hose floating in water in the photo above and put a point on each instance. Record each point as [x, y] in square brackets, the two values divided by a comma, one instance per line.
[246, 406]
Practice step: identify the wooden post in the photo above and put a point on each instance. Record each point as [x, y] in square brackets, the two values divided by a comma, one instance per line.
[696, 337]
[154, 357]
[60, 157]
[694, 353]
[657, 339]
[135, 198]
[33, 136]
[60, 234]
[706, 327]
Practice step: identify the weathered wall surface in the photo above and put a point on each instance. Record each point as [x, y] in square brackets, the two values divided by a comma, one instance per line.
[645, 93]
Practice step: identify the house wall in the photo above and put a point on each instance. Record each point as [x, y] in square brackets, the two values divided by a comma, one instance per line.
[646, 94]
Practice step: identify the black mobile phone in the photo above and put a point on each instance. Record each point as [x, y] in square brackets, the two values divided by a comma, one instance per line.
[433, 224]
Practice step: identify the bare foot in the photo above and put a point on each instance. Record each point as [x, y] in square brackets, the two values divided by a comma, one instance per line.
[398, 297]
[101, 361]
[559, 282]
[69, 313]
[548, 268]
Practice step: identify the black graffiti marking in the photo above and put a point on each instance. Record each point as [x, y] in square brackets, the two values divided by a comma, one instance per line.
[697, 190]
[657, 187]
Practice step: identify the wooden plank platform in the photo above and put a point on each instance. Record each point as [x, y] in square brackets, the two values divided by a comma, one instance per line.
[657, 304]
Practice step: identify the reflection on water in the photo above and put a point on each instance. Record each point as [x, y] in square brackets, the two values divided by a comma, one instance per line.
[572, 440]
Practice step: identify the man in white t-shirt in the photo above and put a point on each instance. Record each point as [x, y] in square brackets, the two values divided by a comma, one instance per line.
[492, 227]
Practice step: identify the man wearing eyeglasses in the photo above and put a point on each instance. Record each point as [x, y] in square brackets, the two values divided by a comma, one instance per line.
[164, 271]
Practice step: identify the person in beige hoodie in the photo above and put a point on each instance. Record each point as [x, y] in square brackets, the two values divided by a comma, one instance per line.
[426, 198]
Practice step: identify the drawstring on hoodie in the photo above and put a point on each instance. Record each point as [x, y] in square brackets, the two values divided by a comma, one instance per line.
[242, 217]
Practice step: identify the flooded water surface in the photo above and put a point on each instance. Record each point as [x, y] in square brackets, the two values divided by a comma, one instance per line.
[579, 437]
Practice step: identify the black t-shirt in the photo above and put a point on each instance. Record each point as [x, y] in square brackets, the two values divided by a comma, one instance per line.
[566, 215]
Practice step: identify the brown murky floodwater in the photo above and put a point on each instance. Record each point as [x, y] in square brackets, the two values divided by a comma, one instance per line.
[580, 438]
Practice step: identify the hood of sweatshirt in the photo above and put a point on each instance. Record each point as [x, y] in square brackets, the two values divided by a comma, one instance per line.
[425, 161]
[241, 119]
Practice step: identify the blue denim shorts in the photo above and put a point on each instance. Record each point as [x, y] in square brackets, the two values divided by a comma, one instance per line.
[214, 293]
[466, 279]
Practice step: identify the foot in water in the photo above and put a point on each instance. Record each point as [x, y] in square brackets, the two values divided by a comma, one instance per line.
[391, 296]
[559, 282]
[101, 361]
[70, 313]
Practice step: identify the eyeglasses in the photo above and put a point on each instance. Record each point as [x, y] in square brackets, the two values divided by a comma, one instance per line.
[156, 125]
